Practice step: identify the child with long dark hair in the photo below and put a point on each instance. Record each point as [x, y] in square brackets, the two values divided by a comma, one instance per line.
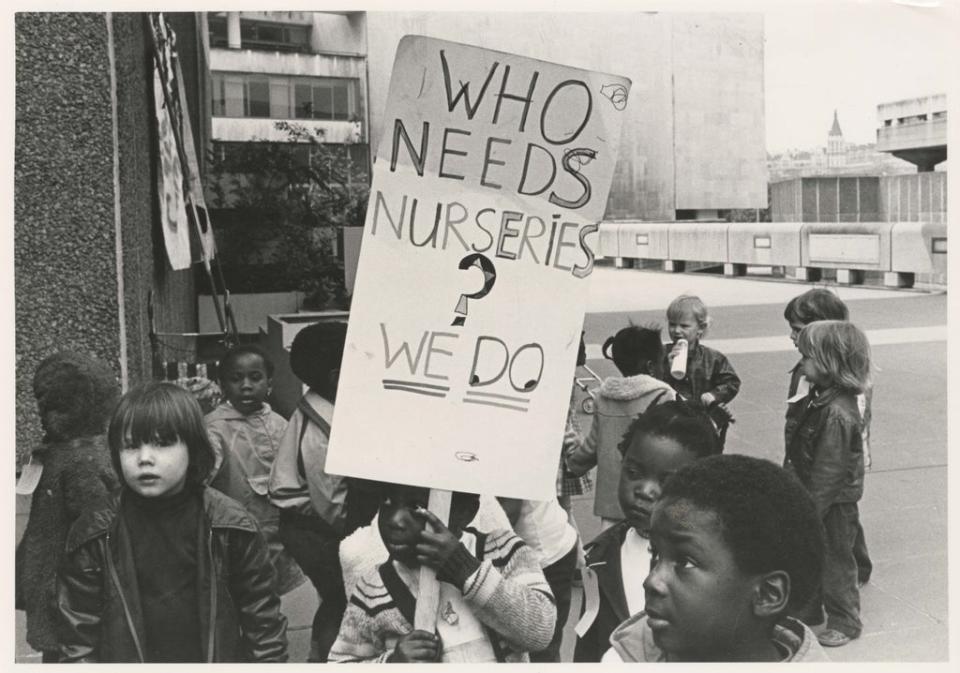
[168, 570]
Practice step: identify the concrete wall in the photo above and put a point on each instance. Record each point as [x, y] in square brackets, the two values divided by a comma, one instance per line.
[721, 160]
[915, 197]
[72, 291]
[664, 54]
[826, 199]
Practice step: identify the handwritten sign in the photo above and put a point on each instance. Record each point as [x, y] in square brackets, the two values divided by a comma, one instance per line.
[490, 179]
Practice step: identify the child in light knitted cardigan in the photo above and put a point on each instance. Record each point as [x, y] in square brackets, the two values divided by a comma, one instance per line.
[495, 604]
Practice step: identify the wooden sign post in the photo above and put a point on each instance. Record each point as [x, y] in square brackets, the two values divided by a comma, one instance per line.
[425, 617]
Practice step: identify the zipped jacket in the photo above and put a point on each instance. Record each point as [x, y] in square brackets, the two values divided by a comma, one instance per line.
[824, 446]
[99, 603]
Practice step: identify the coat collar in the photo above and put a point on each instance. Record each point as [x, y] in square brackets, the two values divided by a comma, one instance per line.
[219, 510]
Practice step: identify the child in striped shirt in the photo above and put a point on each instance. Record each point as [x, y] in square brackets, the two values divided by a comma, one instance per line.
[495, 604]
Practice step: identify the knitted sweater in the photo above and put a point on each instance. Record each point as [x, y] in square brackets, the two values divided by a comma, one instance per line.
[508, 594]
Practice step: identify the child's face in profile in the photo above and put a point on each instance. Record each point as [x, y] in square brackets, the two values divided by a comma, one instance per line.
[154, 470]
[813, 372]
[246, 384]
[648, 460]
[684, 325]
[698, 602]
[795, 327]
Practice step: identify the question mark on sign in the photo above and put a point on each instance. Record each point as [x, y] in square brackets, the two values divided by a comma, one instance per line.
[489, 278]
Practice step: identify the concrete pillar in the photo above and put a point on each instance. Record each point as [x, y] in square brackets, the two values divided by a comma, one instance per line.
[673, 265]
[316, 33]
[233, 30]
[807, 274]
[897, 279]
[734, 269]
[849, 276]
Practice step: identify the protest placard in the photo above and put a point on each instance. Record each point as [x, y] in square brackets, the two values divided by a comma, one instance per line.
[491, 176]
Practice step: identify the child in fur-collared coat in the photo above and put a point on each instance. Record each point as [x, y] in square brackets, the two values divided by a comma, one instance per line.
[75, 394]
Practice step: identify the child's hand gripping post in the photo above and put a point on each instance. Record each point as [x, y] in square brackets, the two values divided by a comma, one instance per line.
[442, 551]
[417, 647]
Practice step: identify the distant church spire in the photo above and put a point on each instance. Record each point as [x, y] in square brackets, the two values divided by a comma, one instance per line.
[835, 129]
[836, 148]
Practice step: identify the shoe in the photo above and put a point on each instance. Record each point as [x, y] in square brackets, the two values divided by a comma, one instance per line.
[833, 638]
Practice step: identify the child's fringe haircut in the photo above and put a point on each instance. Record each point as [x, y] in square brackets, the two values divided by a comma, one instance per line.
[161, 413]
[692, 303]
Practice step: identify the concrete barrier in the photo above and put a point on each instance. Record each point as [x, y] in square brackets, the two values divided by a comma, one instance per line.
[918, 247]
[861, 246]
[698, 241]
[645, 240]
[609, 243]
[764, 243]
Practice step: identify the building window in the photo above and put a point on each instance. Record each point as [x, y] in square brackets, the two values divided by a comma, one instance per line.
[274, 36]
[277, 97]
[217, 29]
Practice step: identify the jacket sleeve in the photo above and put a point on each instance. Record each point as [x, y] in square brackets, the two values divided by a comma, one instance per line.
[724, 382]
[218, 445]
[832, 452]
[253, 588]
[79, 604]
[580, 455]
[515, 601]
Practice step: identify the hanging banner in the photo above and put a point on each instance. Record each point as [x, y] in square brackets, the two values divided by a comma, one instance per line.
[173, 212]
[489, 182]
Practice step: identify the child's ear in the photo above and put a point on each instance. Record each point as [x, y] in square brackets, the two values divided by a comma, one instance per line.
[771, 595]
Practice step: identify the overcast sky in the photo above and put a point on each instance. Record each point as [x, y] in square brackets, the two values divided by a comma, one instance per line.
[849, 57]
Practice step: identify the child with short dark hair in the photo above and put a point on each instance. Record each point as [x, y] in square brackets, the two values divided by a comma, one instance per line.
[75, 394]
[317, 509]
[245, 432]
[658, 442]
[736, 542]
[824, 448]
[638, 354]
[709, 381]
[168, 570]
[821, 304]
[495, 604]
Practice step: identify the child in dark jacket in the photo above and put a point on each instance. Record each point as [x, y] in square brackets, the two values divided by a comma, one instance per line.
[168, 570]
[655, 445]
[824, 447]
[819, 303]
[709, 380]
[75, 395]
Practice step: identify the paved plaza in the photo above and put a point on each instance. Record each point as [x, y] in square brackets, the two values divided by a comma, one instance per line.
[904, 509]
